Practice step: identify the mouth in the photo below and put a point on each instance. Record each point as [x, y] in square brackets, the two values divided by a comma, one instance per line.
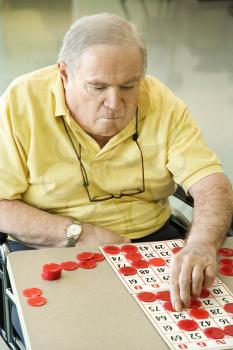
[111, 117]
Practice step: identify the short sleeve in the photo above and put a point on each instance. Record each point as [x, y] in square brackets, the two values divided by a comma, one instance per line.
[13, 168]
[189, 158]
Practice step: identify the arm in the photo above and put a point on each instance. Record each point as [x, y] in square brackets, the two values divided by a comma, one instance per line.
[40, 229]
[194, 267]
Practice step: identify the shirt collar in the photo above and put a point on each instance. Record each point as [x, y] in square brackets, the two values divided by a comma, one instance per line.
[57, 89]
[144, 102]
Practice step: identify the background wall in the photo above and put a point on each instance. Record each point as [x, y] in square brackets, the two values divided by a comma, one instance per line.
[190, 49]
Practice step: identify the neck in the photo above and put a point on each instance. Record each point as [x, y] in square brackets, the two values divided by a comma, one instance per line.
[101, 140]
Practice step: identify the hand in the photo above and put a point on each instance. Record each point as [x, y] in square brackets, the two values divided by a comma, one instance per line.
[99, 236]
[192, 268]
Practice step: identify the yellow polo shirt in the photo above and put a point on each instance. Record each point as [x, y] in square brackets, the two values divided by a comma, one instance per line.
[38, 164]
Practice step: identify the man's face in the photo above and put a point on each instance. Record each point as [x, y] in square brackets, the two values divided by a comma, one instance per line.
[102, 94]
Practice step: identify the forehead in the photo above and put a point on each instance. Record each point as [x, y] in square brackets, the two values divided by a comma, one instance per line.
[110, 64]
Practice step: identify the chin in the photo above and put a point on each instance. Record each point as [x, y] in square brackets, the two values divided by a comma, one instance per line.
[109, 134]
[112, 128]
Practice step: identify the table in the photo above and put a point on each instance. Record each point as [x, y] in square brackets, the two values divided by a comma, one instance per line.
[86, 309]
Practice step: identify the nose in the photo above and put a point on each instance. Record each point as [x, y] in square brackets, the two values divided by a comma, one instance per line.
[113, 99]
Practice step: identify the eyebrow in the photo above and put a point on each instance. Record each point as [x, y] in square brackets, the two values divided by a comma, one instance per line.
[98, 82]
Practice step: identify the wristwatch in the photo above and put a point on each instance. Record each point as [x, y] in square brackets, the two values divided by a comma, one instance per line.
[72, 234]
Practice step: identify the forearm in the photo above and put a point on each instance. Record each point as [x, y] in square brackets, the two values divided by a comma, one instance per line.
[38, 228]
[212, 210]
[194, 267]
[33, 226]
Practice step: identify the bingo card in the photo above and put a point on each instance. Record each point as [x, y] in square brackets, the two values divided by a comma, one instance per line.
[144, 270]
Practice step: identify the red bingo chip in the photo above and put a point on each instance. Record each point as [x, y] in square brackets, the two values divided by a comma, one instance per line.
[127, 271]
[69, 265]
[129, 248]
[49, 277]
[164, 295]
[214, 333]
[51, 271]
[111, 249]
[228, 308]
[168, 306]
[140, 264]
[199, 313]
[187, 325]
[226, 262]
[226, 270]
[204, 293]
[85, 256]
[176, 250]
[225, 252]
[98, 257]
[146, 297]
[157, 262]
[32, 292]
[133, 256]
[87, 264]
[194, 303]
[36, 301]
[228, 330]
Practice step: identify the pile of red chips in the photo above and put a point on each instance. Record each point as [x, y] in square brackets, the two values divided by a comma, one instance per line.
[51, 271]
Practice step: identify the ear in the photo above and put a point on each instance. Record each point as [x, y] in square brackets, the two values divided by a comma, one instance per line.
[62, 67]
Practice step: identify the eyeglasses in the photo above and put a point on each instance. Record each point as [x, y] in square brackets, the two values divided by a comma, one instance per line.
[107, 196]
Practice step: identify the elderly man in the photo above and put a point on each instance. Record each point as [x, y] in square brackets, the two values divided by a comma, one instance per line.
[91, 150]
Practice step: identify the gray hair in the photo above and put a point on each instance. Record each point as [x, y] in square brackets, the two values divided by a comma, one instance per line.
[102, 28]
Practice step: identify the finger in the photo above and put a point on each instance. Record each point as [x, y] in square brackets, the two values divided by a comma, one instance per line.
[185, 279]
[197, 280]
[174, 286]
[126, 240]
[210, 274]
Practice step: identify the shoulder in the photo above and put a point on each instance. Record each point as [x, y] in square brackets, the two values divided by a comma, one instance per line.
[160, 109]
[158, 96]
[32, 83]
[28, 98]
[29, 92]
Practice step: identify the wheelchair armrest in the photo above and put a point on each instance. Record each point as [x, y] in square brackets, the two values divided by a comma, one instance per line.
[3, 237]
[3, 248]
[181, 195]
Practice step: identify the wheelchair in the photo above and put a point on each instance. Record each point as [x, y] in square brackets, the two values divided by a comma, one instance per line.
[7, 300]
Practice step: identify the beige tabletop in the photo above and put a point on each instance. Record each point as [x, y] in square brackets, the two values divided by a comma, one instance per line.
[86, 309]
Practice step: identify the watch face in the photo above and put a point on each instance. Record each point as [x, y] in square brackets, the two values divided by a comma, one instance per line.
[74, 230]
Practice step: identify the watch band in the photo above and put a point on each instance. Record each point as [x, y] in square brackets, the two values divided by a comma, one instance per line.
[71, 242]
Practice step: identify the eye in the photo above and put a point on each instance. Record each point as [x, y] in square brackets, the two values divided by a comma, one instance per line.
[97, 87]
[128, 87]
